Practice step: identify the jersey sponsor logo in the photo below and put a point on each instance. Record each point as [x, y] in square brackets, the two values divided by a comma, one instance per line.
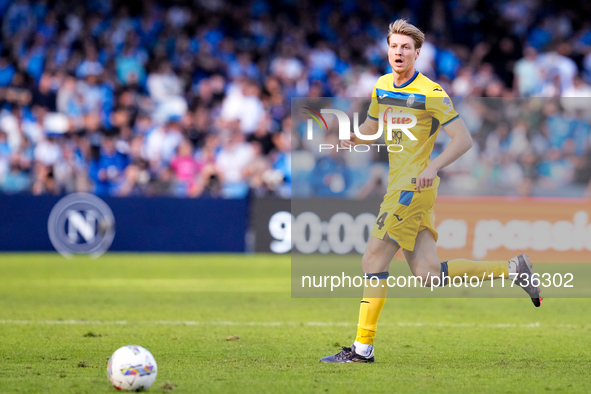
[81, 223]
[387, 112]
[397, 137]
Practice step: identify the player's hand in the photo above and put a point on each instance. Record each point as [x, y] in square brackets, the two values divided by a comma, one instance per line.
[347, 144]
[426, 178]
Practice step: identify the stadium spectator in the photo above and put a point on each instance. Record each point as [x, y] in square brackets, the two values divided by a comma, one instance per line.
[243, 103]
[331, 177]
[527, 73]
[557, 62]
[16, 180]
[7, 70]
[5, 152]
[162, 142]
[185, 167]
[231, 162]
[48, 151]
[578, 89]
[107, 171]
[69, 172]
[164, 83]
[279, 178]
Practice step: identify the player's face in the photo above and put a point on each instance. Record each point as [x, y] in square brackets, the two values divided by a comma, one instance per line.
[402, 53]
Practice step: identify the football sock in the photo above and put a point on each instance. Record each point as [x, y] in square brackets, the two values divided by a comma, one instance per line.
[461, 267]
[362, 349]
[512, 267]
[370, 308]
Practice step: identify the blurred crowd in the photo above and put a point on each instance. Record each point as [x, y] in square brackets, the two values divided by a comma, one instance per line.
[522, 147]
[536, 146]
[192, 98]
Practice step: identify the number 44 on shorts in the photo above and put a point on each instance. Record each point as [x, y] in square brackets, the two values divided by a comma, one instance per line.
[382, 219]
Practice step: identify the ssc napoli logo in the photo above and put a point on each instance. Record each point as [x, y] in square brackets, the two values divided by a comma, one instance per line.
[81, 223]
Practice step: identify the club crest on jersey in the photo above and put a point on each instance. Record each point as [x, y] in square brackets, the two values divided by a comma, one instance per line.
[410, 100]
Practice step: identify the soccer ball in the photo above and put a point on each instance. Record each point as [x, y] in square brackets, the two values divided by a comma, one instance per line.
[132, 368]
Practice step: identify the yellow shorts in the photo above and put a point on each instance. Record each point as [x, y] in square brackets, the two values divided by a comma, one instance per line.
[404, 213]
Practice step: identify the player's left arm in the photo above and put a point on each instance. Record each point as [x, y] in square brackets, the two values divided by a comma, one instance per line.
[461, 141]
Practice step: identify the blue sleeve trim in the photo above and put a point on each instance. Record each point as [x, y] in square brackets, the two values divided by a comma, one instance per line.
[449, 121]
[371, 117]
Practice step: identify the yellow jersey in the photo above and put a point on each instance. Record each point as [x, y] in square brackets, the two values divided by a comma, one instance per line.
[431, 106]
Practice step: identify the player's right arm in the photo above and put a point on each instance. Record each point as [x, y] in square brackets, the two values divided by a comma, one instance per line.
[440, 106]
[369, 127]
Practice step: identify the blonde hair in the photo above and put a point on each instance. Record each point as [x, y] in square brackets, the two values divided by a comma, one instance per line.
[401, 26]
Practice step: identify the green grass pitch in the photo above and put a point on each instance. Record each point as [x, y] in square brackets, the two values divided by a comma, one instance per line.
[60, 320]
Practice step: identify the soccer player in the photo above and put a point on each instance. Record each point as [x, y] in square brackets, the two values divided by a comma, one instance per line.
[405, 219]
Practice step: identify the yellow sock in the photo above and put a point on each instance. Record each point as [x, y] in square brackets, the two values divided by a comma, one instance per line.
[461, 267]
[371, 306]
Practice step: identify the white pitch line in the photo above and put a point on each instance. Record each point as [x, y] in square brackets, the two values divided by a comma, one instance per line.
[266, 324]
